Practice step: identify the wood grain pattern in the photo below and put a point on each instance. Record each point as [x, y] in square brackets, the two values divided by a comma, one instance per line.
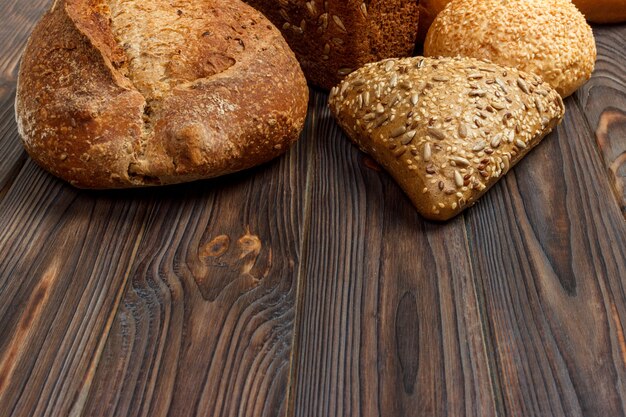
[603, 104]
[206, 325]
[20, 17]
[65, 257]
[310, 287]
[389, 323]
[551, 273]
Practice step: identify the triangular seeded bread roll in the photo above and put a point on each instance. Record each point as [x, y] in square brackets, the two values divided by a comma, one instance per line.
[446, 129]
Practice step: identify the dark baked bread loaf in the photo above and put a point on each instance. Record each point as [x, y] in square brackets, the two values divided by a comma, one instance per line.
[125, 93]
[332, 38]
[446, 129]
[602, 11]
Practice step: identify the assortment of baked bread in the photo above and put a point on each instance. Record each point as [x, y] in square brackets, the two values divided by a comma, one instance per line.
[127, 93]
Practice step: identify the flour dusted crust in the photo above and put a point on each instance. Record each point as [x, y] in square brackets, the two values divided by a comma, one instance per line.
[549, 38]
[446, 129]
[127, 93]
[332, 38]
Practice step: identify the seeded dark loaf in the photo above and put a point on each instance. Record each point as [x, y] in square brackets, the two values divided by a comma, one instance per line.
[127, 93]
[332, 38]
[445, 129]
[602, 11]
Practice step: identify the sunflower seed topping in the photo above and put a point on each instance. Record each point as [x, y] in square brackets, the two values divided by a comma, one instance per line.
[436, 133]
[339, 23]
[458, 179]
[460, 161]
[523, 86]
[495, 142]
[398, 131]
[427, 152]
[479, 146]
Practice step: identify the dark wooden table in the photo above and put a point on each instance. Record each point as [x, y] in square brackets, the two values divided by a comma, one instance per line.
[310, 286]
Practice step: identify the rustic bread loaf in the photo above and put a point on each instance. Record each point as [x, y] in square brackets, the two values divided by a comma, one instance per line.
[332, 38]
[126, 93]
[549, 38]
[445, 129]
[603, 11]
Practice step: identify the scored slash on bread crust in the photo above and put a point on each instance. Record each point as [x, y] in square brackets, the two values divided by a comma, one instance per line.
[115, 94]
[446, 129]
[332, 38]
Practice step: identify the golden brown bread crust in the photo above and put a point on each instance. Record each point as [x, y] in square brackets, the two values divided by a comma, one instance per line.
[332, 38]
[549, 38]
[602, 11]
[445, 129]
[234, 96]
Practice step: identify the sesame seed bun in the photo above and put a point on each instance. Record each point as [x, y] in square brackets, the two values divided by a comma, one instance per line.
[549, 38]
[603, 11]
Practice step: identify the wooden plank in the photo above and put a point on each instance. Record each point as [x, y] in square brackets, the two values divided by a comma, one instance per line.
[65, 258]
[549, 250]
[389, 323]
[205, 327]
[18, 19]
[603, 101]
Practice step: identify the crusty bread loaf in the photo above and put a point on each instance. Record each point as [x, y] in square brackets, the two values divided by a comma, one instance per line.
[332, 38]
[445, 129]
[603, 11]
[549, 38]
[126, 93]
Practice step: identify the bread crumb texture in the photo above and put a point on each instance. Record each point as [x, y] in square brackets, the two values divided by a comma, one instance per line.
[549, 38]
